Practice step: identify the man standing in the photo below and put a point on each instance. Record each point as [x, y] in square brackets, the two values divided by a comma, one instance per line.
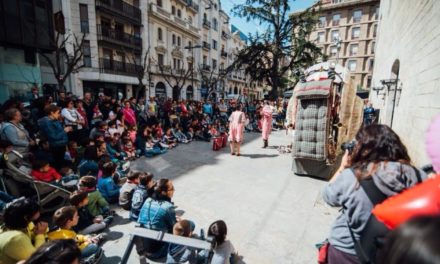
[88, 106]
[207, 108]
[266, 114]
[223, 108]
[151, 109]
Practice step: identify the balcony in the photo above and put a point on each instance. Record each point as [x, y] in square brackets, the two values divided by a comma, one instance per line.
[190, 4]
[121, 9]
[224, 54]
[172, 20]
[206, 45]
[207, 24]
[112, 36]
[225, 35]
[205, 67]
[117, 67]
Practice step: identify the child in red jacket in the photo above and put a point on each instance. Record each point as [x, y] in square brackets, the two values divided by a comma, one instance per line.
[42, 171]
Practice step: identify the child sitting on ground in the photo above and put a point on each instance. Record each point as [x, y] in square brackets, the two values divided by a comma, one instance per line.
[87, 223]
[97, 205]
[142, 191]
[223, 249]
[129, 149]
[106, 185]
[69, 178]
[42, 171]
[169, 139]
[127, 189]
[179, 135]
[179, 253]
[65, 219]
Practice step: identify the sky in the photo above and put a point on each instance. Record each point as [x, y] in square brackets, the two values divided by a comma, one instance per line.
[252, 26]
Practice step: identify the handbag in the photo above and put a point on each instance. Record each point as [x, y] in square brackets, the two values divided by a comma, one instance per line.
[323, 252]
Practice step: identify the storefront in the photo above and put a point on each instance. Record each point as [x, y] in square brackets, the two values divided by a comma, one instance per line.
[115, 90]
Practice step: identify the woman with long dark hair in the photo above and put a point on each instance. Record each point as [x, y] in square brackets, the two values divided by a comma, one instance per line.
[380, 155]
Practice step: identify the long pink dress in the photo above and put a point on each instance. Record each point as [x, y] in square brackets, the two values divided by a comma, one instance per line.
[236, 127]
[267, 121]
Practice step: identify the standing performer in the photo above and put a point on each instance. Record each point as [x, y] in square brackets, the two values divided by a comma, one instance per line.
[266, 114]
[236, 127]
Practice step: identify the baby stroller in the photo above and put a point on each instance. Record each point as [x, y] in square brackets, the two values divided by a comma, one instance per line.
[16, 180]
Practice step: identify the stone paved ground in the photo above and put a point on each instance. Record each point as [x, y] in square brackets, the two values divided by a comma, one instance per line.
[272, 215]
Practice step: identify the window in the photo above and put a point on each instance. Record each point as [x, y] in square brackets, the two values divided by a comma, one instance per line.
[176, 64]
[354, 49]
[352, 65]
[336, 19]
[355, 32]
[372, 47]
[215, 24]
[87, 55]
[336, 1]
[333, 51]
[178, 41]
[321, 37]
[179, 13]
[371, 65]
[189, 44]
[190, 20]
[357, 15]
[205, 60]
[321, 22]
[376, 13]
[214, 64]
[84, 18]
[173, 10]
[160, 59]
[205, 18]
[335, 35]
[375, 30]
[159, 3]
[214, 44]
[369, 82]
[159, 34]
[174, 40]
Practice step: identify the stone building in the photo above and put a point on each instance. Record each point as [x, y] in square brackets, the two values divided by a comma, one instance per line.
[406, 79]
[179, 35]
[354, 24]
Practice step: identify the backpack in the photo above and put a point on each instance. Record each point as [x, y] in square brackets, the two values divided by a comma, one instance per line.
[372, 237]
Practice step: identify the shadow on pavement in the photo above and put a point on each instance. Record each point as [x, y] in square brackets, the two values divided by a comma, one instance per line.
[110, 260]
[259, 156]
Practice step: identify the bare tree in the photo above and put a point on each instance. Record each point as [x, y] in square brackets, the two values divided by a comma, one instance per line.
[142, 69]
[68, 54]
[212, 77]
[175, 78]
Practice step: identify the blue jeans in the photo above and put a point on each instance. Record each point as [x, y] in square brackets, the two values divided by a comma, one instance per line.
[4, 199]
[89, 250]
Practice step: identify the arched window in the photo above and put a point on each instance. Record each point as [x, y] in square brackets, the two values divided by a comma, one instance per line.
[179, 13]
[173, 10]
[159, 3]
[159, 34]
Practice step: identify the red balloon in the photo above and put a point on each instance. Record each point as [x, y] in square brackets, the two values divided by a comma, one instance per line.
[422, 199]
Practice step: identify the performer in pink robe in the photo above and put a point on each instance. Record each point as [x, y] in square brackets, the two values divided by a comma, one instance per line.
[236, 129]
[266, 114]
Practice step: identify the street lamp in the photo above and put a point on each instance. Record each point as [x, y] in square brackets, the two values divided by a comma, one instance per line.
[190, 47]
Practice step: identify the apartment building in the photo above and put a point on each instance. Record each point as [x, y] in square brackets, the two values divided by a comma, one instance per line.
[346, 32]
[176, 36]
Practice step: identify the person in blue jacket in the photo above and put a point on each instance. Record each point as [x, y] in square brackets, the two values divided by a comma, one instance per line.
[52, 129]
[106, 185]
[89, 164]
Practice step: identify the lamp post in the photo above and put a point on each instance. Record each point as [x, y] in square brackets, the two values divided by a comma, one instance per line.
[190, 47]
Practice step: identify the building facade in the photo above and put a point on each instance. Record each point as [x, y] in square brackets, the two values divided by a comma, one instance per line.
[25, 28]
[183, 38]
[406, 79]
[346, 32]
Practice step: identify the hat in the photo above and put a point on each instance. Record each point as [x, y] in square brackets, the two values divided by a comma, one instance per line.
[433, 143]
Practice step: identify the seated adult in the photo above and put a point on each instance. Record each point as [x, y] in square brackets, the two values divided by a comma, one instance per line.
[14, 131]
[158, 213]
[380, 156]
[20, 238]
